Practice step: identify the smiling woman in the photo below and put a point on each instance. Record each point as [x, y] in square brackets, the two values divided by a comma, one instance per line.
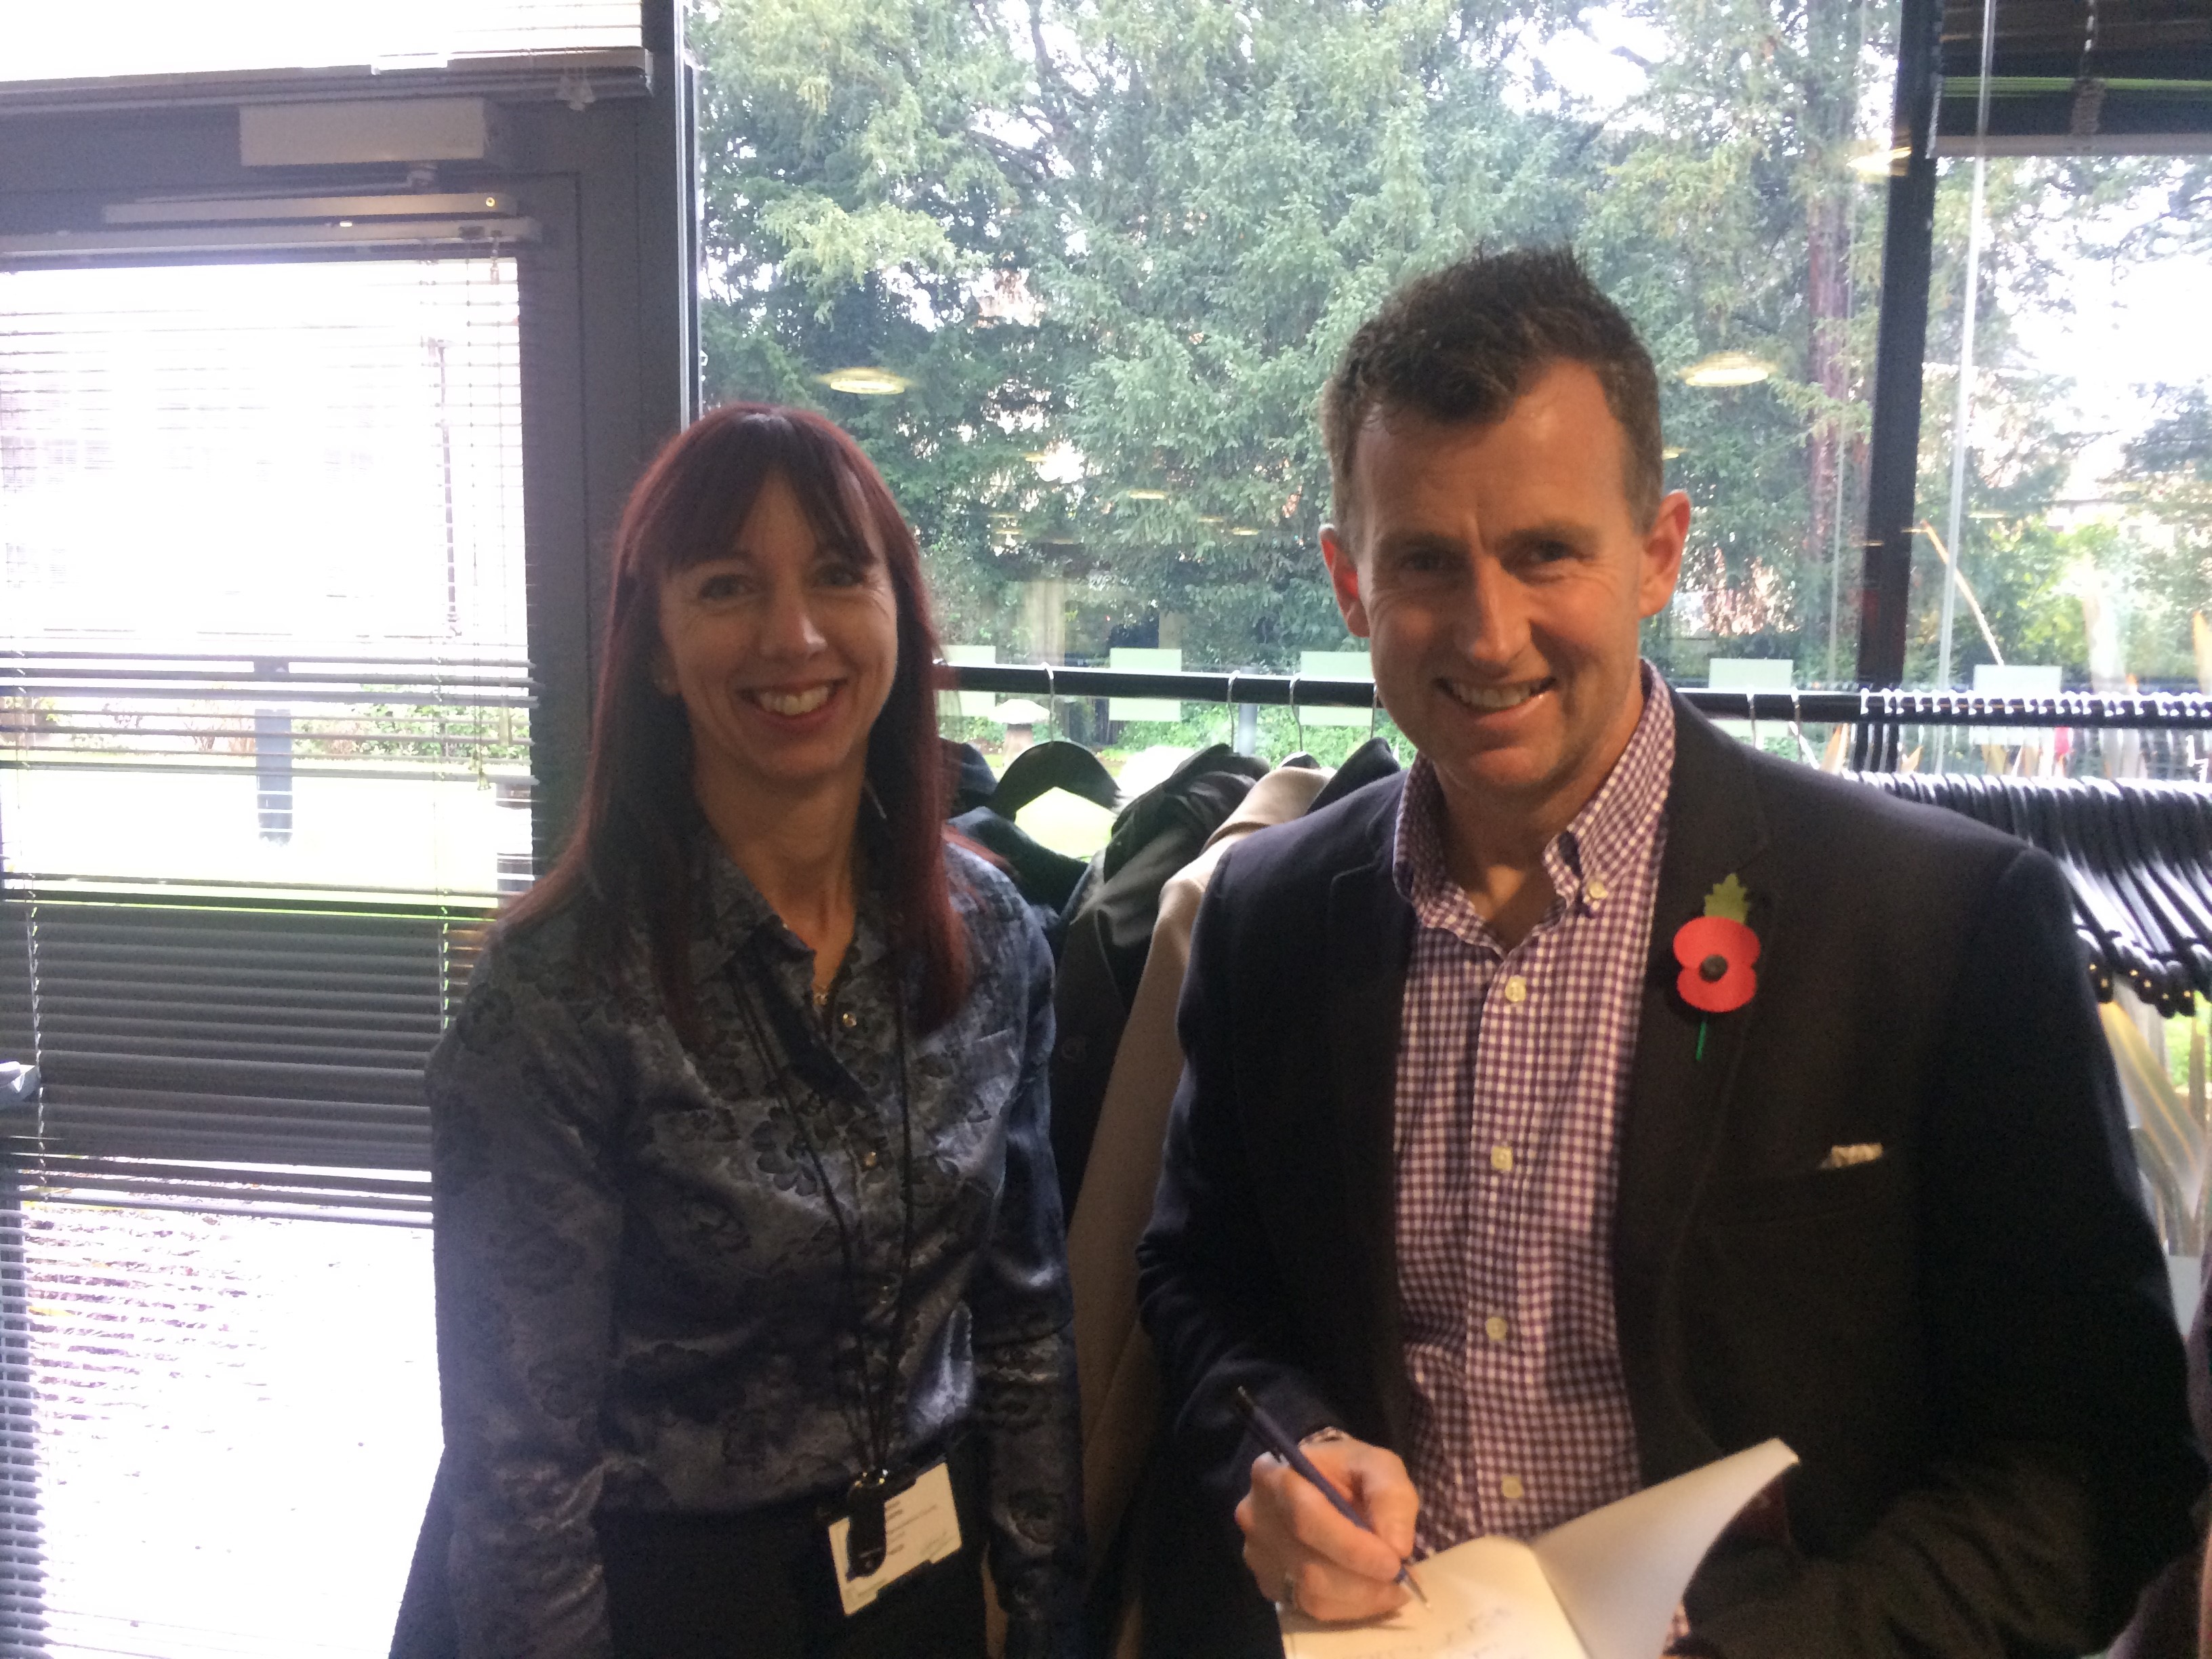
[753, 1318]
[763, 546]
[782, 652]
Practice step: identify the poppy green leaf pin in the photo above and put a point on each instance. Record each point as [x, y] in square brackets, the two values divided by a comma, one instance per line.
[1729, 899]
[1717, 952]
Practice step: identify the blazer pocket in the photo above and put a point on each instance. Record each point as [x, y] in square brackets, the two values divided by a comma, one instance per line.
[1831, 1190]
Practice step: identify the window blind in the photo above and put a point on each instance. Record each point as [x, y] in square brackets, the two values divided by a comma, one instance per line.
[223, 1427]
[264, 700]
[189, 1030]
[160, 38]
[265, 773]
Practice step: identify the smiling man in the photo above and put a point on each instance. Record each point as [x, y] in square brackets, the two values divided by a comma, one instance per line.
[1510, 1211]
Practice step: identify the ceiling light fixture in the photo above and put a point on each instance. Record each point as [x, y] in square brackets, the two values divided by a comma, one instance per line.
[1727, 368]
[1146, 494]
[1241, 529]
[863, 382]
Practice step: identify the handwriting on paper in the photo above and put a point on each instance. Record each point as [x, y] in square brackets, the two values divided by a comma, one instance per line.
[1487, 1630]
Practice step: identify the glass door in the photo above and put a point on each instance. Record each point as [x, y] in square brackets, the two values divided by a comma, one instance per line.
[264, 745]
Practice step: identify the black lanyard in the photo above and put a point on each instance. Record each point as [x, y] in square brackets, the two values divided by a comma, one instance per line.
[866, 1542]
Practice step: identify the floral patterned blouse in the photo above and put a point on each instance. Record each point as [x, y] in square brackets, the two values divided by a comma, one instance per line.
[642, 1300]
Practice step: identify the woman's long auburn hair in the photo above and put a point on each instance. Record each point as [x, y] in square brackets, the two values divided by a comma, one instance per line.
[631, 856]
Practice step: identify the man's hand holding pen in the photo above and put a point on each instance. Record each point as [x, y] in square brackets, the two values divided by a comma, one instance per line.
[1306, 1555]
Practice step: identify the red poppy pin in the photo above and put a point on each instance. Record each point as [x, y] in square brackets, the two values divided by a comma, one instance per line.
[1717, 951]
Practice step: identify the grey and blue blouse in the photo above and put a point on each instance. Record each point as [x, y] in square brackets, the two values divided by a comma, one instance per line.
[641, 1301]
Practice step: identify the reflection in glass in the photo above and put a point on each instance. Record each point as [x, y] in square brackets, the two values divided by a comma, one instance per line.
[2080, 522]
[1111, 258]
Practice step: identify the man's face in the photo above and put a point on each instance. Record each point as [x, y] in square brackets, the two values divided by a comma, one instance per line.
[1500, 573]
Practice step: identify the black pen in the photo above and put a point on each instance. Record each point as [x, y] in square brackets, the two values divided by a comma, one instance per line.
[1272, 1437]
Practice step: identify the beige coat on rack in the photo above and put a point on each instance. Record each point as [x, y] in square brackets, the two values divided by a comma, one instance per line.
[1113, 1357]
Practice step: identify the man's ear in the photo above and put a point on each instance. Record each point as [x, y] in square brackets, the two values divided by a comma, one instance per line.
[1663, 554]
[1344, 580]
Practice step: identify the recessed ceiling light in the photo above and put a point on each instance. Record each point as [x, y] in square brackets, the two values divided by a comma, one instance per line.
[1725, 368]
[865, 382]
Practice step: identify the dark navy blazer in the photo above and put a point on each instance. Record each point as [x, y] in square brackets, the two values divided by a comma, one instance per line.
[1967, 1339]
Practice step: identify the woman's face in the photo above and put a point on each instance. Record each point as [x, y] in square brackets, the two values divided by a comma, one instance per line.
[783, 650]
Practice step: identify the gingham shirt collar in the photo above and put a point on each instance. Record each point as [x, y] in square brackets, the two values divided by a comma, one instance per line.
[1585, 860]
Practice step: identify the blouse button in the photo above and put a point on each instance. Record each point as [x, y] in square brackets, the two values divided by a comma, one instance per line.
[868, 1159]
[848, 1020]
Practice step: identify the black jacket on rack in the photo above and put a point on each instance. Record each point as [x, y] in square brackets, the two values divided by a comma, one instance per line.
[1109, 932]
[1966, 1334]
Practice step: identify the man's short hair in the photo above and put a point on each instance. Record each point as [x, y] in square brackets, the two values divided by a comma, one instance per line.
[1462, 343]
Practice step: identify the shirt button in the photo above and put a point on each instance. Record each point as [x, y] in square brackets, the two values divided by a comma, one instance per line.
[1594, 888]
[1510, 1488]
[868, 1159]
[1495, 1327]
[1517, 989]
[1501, 1158]
[848, 1020]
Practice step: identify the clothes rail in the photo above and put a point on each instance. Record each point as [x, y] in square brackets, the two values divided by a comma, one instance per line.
[2136, 853]
[2142, 711]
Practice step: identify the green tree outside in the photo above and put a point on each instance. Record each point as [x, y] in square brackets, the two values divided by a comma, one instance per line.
[1112, 249]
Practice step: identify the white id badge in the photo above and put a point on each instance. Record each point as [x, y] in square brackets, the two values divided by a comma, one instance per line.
[920, 1526]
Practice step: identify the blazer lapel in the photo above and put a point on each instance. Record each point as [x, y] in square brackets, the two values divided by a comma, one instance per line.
[1677, 1098]
[1370, 940]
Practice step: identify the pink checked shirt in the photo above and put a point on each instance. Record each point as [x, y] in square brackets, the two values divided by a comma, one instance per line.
[1512, 1070]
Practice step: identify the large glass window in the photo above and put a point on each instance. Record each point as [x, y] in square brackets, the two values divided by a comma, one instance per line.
[237, 1422]
[2066, 441]
[261, 580]
[1075, 274]
[264, 743]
